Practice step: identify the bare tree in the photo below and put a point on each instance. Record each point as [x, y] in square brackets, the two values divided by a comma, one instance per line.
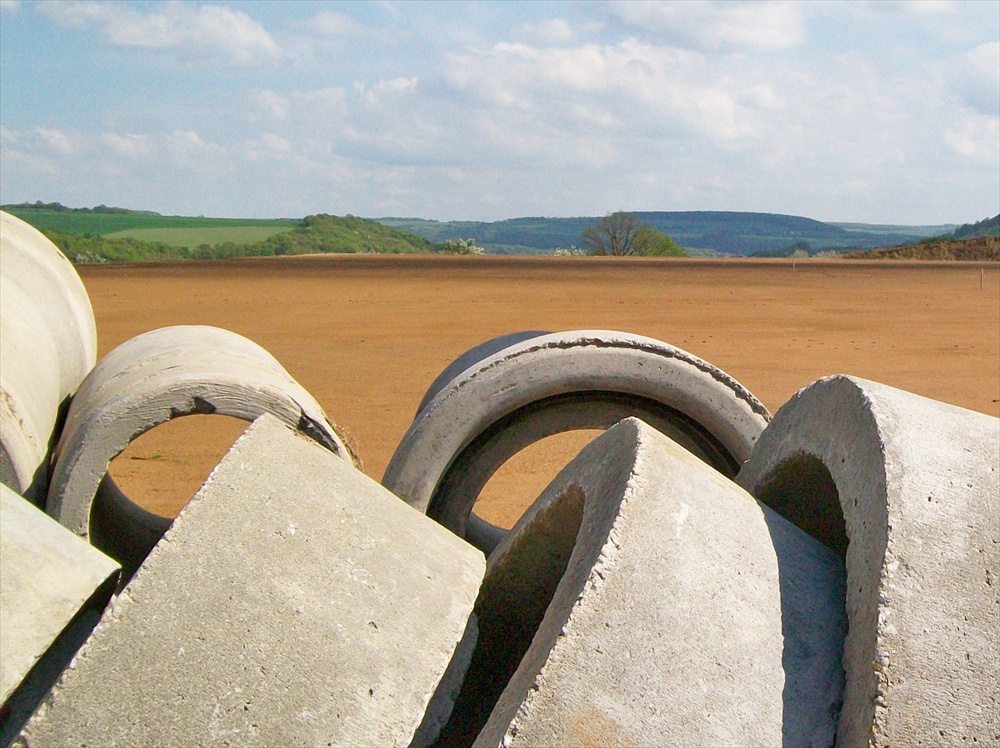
[624, 234]
[614, 234]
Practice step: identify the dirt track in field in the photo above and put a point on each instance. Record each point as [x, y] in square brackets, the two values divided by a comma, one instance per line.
[367, 335]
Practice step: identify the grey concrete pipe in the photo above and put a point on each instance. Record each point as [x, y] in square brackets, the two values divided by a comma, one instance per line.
[48, 344]
[646, 600]
[545, 384]
[295, 601]
[908, 491]
[150, 379]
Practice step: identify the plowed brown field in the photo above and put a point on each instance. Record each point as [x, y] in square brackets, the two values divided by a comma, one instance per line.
[367, 335]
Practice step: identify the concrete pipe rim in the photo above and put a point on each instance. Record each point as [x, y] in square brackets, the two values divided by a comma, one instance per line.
[562, 364]
[75, 495]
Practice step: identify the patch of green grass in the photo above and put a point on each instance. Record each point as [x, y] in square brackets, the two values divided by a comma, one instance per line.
[193, 237]
[82, 222]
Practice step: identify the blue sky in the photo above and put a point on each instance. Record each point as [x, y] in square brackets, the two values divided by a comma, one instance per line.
[879, 112]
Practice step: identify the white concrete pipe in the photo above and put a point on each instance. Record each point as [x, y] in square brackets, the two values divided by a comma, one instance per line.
[150, 379]
[907, 489]
[48, 344]
[545, 384]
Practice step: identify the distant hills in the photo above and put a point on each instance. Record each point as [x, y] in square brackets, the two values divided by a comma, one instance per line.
[105, 234]
[700, 232]
[122, 234]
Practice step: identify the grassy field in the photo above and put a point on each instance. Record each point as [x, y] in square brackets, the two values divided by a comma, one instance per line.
[102, 224]
[195, 236]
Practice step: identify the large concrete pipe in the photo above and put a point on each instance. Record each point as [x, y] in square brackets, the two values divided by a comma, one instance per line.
[545, 384]
[908, 491]
[150, 379]
[297, 602]
[645, 599]
[48, 343]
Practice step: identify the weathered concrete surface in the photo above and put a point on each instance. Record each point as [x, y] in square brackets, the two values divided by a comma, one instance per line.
[29, 393]
[472, 357]
[156, 376]
[915, 485]
[48, 343]
[688, 614]
[546, 384]
[53, 588]
[294, 601]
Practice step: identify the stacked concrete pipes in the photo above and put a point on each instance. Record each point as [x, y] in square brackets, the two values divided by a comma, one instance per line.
[48, 343]
[62, 420]
[148, 380]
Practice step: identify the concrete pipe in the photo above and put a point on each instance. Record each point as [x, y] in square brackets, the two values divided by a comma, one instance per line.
[906, 490]
[551, 383]
[472, 357]
[644, 599]
[48, 343]
[294, 602]
[150, 379]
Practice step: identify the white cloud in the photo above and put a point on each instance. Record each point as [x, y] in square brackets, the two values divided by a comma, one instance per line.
[269, 147]
[10, 6]
[333, 23]
[551, 32]
[718, 26]
[205, 32]
[270, 105]
[975, 137]
[635, 85]
[915, 7]
[126, 146]
[977, 79]
[57, 140]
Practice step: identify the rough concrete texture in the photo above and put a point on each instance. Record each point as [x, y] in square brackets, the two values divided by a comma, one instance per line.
[294, 601]
[550, 383]
[48, 343]
[53, 588]
[156, 376]
[914, 484]
[472, 357]
[688, 614]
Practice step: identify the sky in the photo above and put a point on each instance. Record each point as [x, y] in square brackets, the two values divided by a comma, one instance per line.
[874, 112]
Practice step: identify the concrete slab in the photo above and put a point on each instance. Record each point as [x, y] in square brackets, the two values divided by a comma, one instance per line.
[53, 589]
[907, 489]
[644, 599]
[294, 601]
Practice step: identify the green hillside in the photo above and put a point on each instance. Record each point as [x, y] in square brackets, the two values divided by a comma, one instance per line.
[102, 220]
[119, 234]
[116, 235]
[701, 232]
[196, 235]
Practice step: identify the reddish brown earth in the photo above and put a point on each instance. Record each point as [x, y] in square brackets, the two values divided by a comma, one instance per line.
[367, 335]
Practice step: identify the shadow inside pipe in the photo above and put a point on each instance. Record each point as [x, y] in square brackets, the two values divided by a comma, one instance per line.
[813, 593]
[516, 592]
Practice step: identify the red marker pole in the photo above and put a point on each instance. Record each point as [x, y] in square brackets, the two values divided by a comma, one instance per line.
[981, 271]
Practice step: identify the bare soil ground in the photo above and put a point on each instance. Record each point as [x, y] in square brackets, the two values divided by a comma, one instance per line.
[367, 335]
